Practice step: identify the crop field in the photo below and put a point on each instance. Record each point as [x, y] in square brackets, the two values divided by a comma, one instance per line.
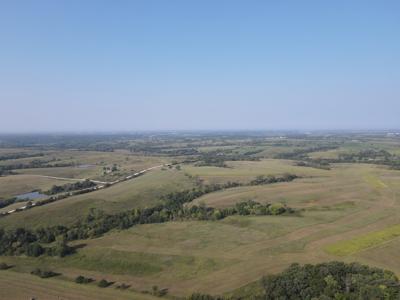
[343, 210]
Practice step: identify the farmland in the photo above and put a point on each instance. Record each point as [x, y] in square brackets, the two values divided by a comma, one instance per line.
[340, 209]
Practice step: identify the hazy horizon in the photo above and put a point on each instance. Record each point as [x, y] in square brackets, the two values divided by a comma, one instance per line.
[98, 66]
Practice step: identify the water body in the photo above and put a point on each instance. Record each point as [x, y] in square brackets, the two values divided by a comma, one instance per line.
[30, 196]
[86, 166]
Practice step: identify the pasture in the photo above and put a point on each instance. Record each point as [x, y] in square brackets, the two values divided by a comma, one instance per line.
[350, 212]
[15, 285]
[143, 191]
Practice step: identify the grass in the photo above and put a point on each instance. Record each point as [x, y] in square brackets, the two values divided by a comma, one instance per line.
[334, 187]
[350, 208]
[244, 171]
[126, 162]
[369, 240]
[15, 285]
[13, 185]
[144, 191]
[374, 181]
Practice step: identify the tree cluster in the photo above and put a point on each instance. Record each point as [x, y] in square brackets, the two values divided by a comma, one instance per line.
[302, 154]
[44, 273]
[19, 155]
[36, 163]
[83, 280]
[260, 180]
[7, 202]
[382, 157]
[79, 185]
[331, 280]
[30, 242]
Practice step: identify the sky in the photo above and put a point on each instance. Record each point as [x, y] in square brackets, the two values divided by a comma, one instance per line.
[211, 65]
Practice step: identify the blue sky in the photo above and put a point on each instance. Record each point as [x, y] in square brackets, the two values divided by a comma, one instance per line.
[150, 65]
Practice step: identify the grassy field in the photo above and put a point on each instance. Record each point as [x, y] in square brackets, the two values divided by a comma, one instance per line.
[350, 213]
[144, 191]
[14, 185]
[364, 242]
[316, 188]
[20, 286]
[244, 171]
[219, 256]
[86, 164]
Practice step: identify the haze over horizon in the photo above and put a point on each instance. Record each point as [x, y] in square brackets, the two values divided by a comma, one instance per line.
[71, 66]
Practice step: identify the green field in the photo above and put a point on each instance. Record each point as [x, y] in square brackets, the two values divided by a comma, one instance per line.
[364, 242]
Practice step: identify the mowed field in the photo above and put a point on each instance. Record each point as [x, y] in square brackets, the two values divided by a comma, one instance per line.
[333, 210]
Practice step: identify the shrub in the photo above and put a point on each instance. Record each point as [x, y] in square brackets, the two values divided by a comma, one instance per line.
[104, 283]
[122, 286]
[4, 266]
[43, 273]
[81, 279]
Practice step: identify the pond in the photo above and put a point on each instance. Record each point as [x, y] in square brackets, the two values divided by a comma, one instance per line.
[30, 196]
[86, 166]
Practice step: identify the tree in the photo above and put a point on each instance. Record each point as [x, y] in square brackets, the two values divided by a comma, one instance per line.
[34, 250]
[61, 248]
[104, 283]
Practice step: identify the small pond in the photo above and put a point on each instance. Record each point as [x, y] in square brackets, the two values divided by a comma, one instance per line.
[86, 166]
[31, 196]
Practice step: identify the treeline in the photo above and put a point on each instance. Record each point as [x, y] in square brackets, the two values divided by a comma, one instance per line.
[260, 180]
[4, 172]
[19, 155]
[79, 185]
[369, 156]
[332, 280]
[302, 154]
[218, 159]
[36, 163]
[315, 163]
[7, 202]
[382, 157]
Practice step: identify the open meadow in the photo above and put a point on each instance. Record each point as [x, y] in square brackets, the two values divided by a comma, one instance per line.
[340, 210]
